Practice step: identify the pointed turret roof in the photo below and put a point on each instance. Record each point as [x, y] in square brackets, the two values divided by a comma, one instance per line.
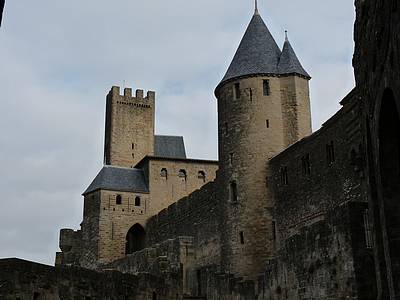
[258, 52]
[289, 63]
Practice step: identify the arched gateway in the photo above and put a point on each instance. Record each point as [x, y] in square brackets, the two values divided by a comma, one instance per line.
[135, 239]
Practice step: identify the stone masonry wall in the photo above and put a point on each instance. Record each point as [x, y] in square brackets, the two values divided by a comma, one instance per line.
[295, 108]
[115, 220]
[170, 260]
[253, 127]
[26, 281]
[129, 131]
[322, 214]
[321, 171]
[197, 216]
[376, 64]
[166, 190]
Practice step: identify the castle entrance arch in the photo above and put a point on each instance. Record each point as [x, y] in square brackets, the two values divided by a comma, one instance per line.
[389, 161]
[135, 239]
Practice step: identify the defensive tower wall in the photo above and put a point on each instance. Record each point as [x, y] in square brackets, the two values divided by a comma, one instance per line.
[258, 117]
[129, 130]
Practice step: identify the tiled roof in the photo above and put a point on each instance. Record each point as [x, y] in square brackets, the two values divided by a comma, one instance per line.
[258, 52]
[169, 146]
[118, 179]
[289, 63]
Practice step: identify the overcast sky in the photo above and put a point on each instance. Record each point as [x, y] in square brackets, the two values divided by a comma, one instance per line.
[58, 59]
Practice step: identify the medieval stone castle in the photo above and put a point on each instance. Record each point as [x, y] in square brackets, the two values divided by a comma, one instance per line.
[283, 214]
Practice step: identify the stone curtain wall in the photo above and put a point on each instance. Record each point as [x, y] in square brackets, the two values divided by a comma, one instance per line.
[26, 280]
[325, 181]
[197, 216]
[320, 209]
[319, 262]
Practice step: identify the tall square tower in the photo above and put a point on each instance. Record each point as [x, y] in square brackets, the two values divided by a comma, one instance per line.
[129, 132]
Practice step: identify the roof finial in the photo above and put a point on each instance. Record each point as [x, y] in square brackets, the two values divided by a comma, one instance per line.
[286, 37]
[255, 7]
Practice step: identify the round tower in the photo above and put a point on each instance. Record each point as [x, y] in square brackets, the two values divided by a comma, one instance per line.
[263, 106]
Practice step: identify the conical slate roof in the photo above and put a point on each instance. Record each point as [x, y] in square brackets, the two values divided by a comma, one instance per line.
[258, 52]
[289, 63]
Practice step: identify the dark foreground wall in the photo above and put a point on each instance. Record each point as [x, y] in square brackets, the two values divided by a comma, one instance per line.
[324, 237]
[25, 280]
[377, 71]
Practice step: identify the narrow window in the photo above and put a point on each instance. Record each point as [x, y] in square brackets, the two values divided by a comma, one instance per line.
[266, 87]
[274, 230]
[284, 176]
[306, 165]
[267, 123]
[368, 230]
[231, 158]
[241, 234]
[154, 296]
[133, 146]
[137, 201]
[226, 129]
[182, 174]
[237, 90]
[330, 153]
[233, 191]
[251, 94]
[202, 176]
[164, 173]
[118, 200]
[133, 155]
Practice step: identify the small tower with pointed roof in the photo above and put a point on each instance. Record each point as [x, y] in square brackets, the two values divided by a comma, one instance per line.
[263, 107]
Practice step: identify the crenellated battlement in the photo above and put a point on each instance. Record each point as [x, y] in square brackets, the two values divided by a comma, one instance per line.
[128, 98]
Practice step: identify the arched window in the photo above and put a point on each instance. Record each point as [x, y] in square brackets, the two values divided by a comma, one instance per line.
[202, 176]
[135, 239]
[182, 174]
[118, 200]
[137, 201]
[164, 173]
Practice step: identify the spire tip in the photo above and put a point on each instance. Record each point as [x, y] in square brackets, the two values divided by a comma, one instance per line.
[256, 7]
[286, 36]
